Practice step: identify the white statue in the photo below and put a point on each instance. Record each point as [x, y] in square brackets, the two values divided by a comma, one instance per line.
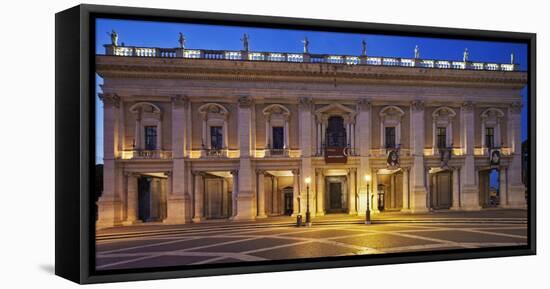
[364, 47]
[306, 45]
[245, 42]
[416, 52]
[181, 40]
[114, 37]
[466, 55]
[512, 58]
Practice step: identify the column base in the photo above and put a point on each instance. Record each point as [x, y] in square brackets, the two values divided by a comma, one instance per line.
[320, 213]
[197, 219]
[455, 208]
[407, 211]
[419, 210]
[261, 216]
[131, 222]
[109, 214]
[242, 218]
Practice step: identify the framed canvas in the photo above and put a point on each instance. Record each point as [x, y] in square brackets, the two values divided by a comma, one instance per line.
[196, 144]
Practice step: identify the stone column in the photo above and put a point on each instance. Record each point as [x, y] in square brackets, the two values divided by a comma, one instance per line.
[234, 192]
[374, 193]
[320, 183]
[199, 197]
[110, 210]
[296, 193]
[352, 193]
[469, 190]
[132, 199]
[456, 189]
[406, 204]
[305, 127]
[178, 196]
[503, 187]
[276, 197]
[516, 188]
[245, 198]
[261, 194]
[417, 184]
[363, 139]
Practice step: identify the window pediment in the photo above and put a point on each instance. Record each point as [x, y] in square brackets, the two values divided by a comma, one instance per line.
[213, 111]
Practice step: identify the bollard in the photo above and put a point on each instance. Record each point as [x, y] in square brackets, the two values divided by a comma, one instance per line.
[298, 220]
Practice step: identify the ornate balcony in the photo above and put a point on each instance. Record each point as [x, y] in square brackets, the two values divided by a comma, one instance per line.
[214, 153]
[146, 154]
[234, 55]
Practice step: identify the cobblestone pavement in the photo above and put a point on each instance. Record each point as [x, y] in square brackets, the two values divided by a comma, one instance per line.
[227, 242]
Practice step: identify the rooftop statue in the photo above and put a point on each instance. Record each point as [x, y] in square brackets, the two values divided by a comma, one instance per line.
[245, 42]
[512, 58]
[181, 40]
[466, 55]
[114, 37]
[306, 45]
[364, 47]
[416, 52]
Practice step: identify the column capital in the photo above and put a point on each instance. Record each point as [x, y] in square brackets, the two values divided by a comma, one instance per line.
[180, 100]
[197, 173]
[110, 99]
[364, 104]
[168, 173]
[295, 172]
[468, 106]
[306, 102]
[131, 174]
[417, 105]
[245, 101]
[515, 107]
[260, 172]
[234, 172]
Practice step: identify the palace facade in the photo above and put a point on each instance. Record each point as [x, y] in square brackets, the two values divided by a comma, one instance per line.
[192, 135]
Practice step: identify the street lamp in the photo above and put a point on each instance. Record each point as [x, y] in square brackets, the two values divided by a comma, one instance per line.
[367, 215]
[308, 215]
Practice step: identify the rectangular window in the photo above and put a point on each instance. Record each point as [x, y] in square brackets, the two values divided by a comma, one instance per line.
[489, 137]
[441, 137]
[278, 137]
[390, 137]
[150, 137]
[216, 135]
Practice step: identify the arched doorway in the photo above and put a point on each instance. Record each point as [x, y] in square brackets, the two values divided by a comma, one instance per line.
[489, 189]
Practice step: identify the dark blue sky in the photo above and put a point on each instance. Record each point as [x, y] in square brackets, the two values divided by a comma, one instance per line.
[200, 36]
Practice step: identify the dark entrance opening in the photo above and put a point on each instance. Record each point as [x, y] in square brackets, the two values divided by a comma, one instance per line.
[489, 191]
[441, 190]
[335, 200]
[288, 200]
[144, 198]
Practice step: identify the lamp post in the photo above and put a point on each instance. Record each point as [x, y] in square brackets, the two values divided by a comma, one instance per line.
[308, 215]
[367, 215]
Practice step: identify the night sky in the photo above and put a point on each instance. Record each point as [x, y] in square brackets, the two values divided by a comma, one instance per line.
[216, 37]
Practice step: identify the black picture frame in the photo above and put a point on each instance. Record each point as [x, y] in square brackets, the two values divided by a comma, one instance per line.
[75, 136]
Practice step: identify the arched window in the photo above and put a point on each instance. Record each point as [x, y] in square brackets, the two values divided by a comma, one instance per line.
[390, 126]
[214, 129]
[490, 128]
[148, 127]
[442, 128]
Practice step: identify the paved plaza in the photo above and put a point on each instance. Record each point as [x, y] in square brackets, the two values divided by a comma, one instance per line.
[153, 245]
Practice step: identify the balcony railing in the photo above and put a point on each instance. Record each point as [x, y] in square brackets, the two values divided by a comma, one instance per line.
[214, 153]
[277, 153]
[147, 154]
[236, 55]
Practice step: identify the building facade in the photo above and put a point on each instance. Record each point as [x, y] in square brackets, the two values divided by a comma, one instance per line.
[192, 135]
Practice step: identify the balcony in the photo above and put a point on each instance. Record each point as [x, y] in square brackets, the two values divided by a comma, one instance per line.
[234, 55]
[146, 154]
[214, 153]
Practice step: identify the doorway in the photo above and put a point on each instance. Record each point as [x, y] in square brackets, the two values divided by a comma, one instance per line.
[441, 190]
[288, 200]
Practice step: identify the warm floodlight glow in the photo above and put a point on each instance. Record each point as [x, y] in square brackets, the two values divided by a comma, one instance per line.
[308, 180]
[367, 178]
